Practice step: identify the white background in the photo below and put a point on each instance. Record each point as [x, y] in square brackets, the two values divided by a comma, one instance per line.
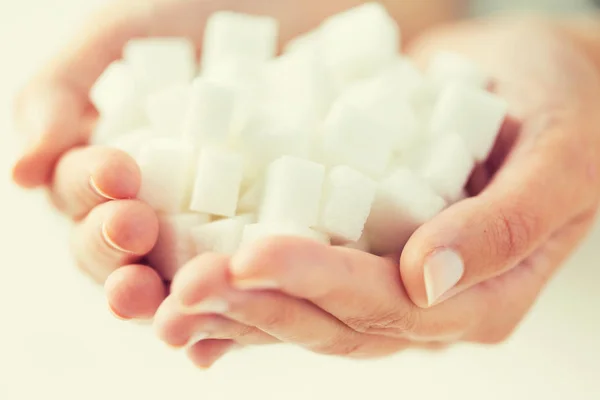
[57, 339]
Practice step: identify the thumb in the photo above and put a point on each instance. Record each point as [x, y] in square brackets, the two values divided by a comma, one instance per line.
[532, 196]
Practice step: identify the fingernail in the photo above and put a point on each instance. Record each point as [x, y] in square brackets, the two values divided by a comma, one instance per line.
[111, 242]
[442, 270]
[240, 262]
[239, 267]
[207, 306]
[116, 314]
[197, 337]
[254, 284]
[99, 191]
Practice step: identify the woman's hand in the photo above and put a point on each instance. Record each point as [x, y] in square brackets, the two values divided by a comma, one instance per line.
[470, 274]
[96, 186]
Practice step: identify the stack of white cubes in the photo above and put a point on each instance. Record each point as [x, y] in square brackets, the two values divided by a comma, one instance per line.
[340, 139]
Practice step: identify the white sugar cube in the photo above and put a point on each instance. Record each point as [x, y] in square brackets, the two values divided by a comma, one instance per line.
[247, 80]
[293, 191]
[299, 80]
[352, 138]
[119, 122]
[404, 201]
[174, 246]
[209, 115]
[133, 142]
[361, 244]
[115, 89]
[447, 166]
[223, 236]
[166, 166]
[256, 232]
[247, 218]
[447, 68]
[474, 114]
[389, 106]
[307, 41]
[229, 35]
[166, 110]
[252, 197]
[161, 62]
[356, 43]
[268, 136]
[347, 199]
[218, 180]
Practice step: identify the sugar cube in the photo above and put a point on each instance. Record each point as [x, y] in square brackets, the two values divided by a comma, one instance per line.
[248, 38]
[361, 244]
[174, 246]
[356, 43]
[447, 166]
[299, 80]
[269, 136]
[403, 202]
[293, 192]
[166, 110]
[223, 236]
[218, 180]
[307, 41]
[259, 231]
[252, 197]
[387, 104]
[209, 115]
[352, 138]
[161, 62]
[347, 199]
[119, 122]
[473, 113]
[166, 166]
[115, 89]
[132, 142]
[448, 67]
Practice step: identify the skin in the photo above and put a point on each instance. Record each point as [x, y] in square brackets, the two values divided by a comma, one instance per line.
[533, 201]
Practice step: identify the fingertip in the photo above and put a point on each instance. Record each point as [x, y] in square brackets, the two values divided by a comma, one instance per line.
[431, 265]
[116, 177]
[133, 228]
[134, 292]
[205, 353]
[31, 171]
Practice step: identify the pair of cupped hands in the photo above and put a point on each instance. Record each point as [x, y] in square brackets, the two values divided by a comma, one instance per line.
[469, 275]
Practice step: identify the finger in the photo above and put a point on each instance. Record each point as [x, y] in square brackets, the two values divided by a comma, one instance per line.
[178, 329]
[134, 292]
[537, 191]
[88, 176]
[52, 119]
[362, 290]
[206, 352]
[203, 287]
[114, 234]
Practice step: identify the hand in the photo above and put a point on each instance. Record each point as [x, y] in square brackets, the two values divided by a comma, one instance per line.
[470, 274]
[96, 186]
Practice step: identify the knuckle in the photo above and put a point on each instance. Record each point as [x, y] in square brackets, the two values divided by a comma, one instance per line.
[389, 324]
[515, 231]
[340, 347]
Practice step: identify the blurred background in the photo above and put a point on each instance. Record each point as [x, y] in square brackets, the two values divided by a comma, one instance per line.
[58, 339]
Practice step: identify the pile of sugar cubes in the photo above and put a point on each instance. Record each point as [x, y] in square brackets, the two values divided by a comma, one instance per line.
[340, 138]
